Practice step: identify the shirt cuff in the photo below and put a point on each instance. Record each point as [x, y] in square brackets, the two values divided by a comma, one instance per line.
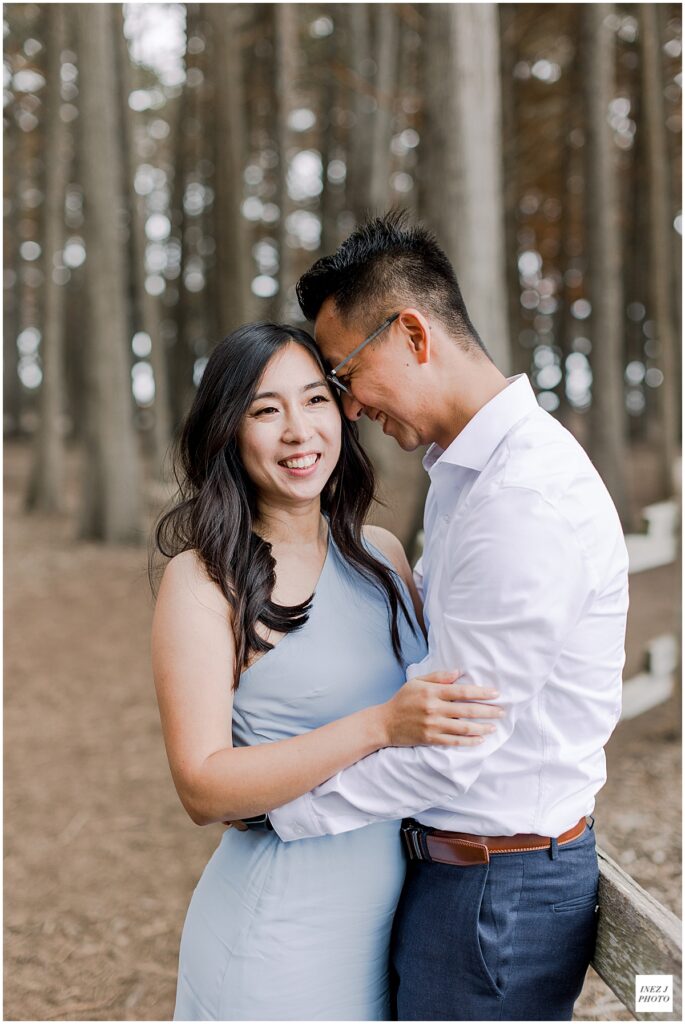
[296, 820]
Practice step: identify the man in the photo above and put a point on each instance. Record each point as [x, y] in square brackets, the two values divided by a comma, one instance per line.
[524, 582]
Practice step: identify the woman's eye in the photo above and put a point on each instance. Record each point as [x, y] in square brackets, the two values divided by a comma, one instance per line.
[267, 408]
[319, 398]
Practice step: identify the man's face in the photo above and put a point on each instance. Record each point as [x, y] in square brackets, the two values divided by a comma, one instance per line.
[382, 377]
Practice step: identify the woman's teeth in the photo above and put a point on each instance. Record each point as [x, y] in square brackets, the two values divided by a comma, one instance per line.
[303, 463]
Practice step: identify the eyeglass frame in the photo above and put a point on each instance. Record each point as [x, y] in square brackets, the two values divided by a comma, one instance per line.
[332, 375]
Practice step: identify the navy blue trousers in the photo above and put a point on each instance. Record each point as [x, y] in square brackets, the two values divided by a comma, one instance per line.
[508, 940]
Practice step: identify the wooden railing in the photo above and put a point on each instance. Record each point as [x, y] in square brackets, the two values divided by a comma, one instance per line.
[635, 935]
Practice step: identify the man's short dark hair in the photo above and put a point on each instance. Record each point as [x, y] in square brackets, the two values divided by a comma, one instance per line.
[385, 262]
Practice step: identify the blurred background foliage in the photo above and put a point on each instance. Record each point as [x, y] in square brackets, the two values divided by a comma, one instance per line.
[171, 169]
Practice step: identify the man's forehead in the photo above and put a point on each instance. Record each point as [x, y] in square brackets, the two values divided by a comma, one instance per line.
[331, 334]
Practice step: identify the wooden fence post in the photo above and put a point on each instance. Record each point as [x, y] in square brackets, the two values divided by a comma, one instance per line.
[635, 935]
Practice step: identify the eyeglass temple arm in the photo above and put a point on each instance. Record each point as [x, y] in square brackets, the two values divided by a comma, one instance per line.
[386, 323]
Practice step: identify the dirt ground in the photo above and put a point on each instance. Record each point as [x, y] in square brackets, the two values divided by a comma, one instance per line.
[101, 860]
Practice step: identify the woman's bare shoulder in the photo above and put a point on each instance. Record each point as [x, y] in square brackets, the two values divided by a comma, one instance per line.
[389, 545]
[393, 549]
[186, 579]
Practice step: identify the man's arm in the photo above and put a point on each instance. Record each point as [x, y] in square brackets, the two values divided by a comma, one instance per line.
[418, 578]
[518, 584]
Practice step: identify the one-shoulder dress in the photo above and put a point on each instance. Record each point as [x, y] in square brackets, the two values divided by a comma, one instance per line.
[301, 930]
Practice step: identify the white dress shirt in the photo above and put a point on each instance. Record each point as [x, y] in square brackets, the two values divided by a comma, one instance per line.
[524, 579]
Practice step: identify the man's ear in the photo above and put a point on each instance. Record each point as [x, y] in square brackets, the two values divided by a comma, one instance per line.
[418, 332]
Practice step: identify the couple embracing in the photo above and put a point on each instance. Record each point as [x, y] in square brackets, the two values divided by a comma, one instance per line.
[413, 850]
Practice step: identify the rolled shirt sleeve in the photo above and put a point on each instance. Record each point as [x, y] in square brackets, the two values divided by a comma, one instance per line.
[516, 586]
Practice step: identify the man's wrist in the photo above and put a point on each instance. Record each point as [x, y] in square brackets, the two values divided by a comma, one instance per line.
[295, 820]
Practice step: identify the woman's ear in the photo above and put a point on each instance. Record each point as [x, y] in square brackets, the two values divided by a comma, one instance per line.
[418, 332]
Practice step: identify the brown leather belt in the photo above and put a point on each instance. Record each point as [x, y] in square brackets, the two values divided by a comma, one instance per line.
[462, 849]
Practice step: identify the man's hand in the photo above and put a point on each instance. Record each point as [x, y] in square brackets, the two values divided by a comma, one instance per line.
[436, 710]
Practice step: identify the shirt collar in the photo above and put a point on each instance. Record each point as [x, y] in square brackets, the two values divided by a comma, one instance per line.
[474, 445]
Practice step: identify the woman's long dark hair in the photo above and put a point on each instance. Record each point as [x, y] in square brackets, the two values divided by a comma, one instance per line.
[216, 506]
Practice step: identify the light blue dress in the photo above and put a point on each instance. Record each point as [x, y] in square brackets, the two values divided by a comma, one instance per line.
[301, 930]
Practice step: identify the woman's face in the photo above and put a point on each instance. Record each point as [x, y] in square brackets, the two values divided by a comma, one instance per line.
[289, 439]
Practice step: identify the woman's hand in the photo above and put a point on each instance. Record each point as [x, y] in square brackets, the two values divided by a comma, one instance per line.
[436, 710]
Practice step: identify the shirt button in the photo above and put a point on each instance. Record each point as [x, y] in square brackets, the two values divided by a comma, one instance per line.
[445, 519]
[298, 830]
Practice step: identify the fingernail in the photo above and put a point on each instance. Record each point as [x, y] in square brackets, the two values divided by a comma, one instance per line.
[501, 714]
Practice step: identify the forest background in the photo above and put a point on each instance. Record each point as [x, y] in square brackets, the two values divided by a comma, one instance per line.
[169, 172]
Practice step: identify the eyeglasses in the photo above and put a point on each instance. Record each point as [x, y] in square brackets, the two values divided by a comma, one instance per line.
[332, 376]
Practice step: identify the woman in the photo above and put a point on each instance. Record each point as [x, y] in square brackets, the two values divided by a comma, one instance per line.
[282, 631]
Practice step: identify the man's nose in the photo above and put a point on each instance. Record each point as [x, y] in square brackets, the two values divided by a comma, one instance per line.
[351, 407]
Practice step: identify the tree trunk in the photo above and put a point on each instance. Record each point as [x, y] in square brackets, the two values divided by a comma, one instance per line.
[387, 51]
[604, 277]
[635, 277]
[11, 385]
[571, 119]
[203, 160]
[674, 147]
[659, 239]
[232, 257]
[46, 486]
[147, 308]
[562, 318]
[519, 361]
[461, 193]
[111, 508]
[286, 48]
[181, 358]
[362, 106]
[332, 194]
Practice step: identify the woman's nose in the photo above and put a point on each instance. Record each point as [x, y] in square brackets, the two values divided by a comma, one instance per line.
[297, 428]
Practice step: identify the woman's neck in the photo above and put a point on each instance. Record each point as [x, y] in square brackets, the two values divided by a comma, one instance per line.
[303, 525]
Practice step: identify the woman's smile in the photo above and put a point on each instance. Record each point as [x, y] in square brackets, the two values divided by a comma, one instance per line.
[301, 464]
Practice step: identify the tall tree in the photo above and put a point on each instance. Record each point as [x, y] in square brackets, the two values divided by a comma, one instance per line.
[604, 263]
[362, 105]
[387, 50]
[232, 264]
[46, 485]
[11, 385]
[461, 191]
[181, 357]
[146, 306]
[330, 100]
[286, 48]
[508, 22]
[659, 238]
[111, 506]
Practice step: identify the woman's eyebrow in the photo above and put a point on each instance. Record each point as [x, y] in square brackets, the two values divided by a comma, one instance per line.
[274, 394]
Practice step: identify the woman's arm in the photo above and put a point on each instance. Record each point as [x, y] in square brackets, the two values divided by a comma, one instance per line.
[193, 654]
